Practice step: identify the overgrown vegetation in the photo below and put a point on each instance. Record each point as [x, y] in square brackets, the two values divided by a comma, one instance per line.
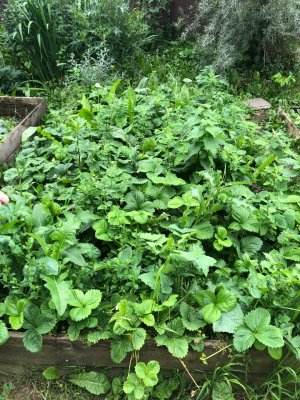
[149, 206]
[247, 31]
[186, 241]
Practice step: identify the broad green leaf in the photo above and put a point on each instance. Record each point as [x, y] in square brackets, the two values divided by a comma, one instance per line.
[211, 313]
[138, 338]
[225, 300]
[148, 372]
[51, 373]
[275, 353]
[258, 319]
[270, 336]
[222, 390]
[177, 346]
[83, 304]
[196, 256]
[73, 254]
[243, 339]
[119, 349]
[40, 216]
[32, 340]
[134, 386]
[191, 318]
[251, 245]
[60, 292]
[4, 335]
[93, 382]
[229, 321]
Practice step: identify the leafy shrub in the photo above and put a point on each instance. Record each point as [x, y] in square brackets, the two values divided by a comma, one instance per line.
[10, 79]
[47, 33]
[247, 30]
[92, 69]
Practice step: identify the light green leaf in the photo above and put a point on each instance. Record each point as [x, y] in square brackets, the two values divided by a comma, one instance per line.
[148, 373]
[258, 319]
[210, 313]
[60, 292]
[119, 349]
[191, 318]
[138, 338]
[51, 373]
[4, 335]
[243, 339]
[225, 300]
[93, 382]
[177, 346]
[222, 390]
[270, 336]
[73, 254]
[229, 321]
[275, 353]
[196, 256]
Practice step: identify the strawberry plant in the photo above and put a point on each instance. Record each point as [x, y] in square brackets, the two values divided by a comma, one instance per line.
[155, 212]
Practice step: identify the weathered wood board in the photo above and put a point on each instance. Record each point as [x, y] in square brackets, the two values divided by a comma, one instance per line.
[60, 351]
[27, 109]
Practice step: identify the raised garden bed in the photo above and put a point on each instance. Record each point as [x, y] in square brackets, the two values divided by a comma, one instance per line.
[28, 112]
[59, 351]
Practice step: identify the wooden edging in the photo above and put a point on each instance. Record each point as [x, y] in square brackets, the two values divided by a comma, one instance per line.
[291, 126]
[30, 109]
[59, 351]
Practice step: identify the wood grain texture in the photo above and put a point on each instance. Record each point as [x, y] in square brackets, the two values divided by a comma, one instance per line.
[60, 351]
[291, 126]
[30, 109]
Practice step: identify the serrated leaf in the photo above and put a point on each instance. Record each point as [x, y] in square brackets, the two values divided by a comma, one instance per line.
[222, 390]
[191, 318]
[251, 245]
[93, 382]
[243, 339]
[119, 349]
[148, 372]
[258, 319]
[32, 340]
[196, 256]
[83, 304]
[177, 346]
[16, 321]
[138, 338]
[270, 336]
[95, 337]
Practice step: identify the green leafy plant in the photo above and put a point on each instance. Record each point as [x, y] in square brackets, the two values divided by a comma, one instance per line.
[138, 385]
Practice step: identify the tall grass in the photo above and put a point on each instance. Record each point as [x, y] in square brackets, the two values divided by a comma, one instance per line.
[36, 34]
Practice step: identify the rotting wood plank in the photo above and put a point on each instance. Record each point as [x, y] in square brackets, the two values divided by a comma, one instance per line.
[291, 126]
[58, 350]
[30, 109]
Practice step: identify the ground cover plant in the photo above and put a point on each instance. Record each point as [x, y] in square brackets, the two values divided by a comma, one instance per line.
[155, 211]
[6, 125]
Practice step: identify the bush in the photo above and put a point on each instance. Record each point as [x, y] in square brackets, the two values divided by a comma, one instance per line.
[72, 28]
[254, 31]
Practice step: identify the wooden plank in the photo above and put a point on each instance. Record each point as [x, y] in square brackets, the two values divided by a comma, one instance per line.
[60, 351]
[291, 126]
[36, 108]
